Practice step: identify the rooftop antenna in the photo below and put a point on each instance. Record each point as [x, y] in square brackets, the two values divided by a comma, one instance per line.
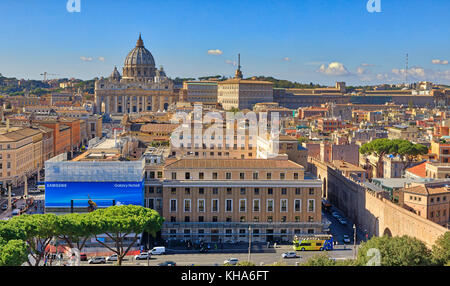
[406, 70]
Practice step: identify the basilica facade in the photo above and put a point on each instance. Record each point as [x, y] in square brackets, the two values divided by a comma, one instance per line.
[141, 87]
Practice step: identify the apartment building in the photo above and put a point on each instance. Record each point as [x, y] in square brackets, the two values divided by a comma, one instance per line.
[329, 125]
[429, 200]
[20, 153]
[218, 200]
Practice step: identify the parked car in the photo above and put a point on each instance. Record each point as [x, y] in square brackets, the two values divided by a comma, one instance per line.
[346, 238]
[290, 254]
[112, 257]
[158, 250]
[97, 260]
[335, 215]
[5, 207]
[142, 256]
[167, 263]
[342, 221]
[232, 261]
[83, 257]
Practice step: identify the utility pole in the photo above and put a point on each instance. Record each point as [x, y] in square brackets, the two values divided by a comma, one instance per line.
[354, 241]
[9, 197]
[249, 242]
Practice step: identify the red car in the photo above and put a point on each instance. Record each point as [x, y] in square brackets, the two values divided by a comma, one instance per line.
[83, 257]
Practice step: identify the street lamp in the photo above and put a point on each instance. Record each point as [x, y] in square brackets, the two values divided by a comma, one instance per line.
[249, 241]
[354, 241]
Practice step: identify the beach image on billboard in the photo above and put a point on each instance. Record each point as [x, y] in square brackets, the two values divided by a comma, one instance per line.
[61, 194]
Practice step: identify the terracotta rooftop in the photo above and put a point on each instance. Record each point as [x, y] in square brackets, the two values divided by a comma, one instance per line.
[428, 189]
[418, 170]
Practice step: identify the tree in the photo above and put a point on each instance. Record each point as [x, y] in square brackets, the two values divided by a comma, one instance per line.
[407, 151]
[379, 148]
[441, 250]
[13, 253]
[118, 222]
[324, 260]
[396, 251]
[75, 229]
[39, 229]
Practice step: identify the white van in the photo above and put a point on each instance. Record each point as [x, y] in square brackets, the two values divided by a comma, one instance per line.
[159, 250]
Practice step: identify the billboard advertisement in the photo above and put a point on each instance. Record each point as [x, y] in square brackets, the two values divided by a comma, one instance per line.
[61, 194]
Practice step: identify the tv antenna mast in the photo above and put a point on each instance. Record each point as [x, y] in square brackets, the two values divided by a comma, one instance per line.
[406, 70]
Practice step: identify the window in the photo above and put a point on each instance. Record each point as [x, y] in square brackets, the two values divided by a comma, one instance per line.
[256, 205]
[215, 219]
[270, 205]
[297, 219]
[173, 205]
[201, 176]
[255, 176]
[228, 232]
[159, 174]
[269, 176]
[201, 219]
[283, 219]
[187, 218]
[228, 219]
[269, 219]
[242, 176]
[201, 191]
[297, 191]
[242, 205]
[297, 205]
[229, 191]
[174, 176]
[214, 175]
[228, 176]
[173, 191]
[173, 219]
[270, 191]
[282, 176]
[283, 191]
[187, 205]
[311, 205]
[228, 205]
[187, 191]
[311, 191]
[151, 204]
[215, 191]
[187, 175]
[242, 219]
[256, 191]
[295, 176]
[283, 205]
[242, 191]
[201, 205]
[242, 232]
[215, 205]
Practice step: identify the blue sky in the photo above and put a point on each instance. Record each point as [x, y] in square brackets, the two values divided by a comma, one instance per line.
[319, 41]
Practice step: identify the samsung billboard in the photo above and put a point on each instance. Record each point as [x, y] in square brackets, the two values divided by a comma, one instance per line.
[64, 194]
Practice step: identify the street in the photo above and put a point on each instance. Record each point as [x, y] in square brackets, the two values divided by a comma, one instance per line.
[217, 259]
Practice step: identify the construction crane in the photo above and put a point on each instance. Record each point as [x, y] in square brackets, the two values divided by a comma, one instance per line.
[45, 74]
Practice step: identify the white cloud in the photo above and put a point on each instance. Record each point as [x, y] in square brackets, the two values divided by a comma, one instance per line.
[102, 59]
[439, 62]
[233, 63]
[86, 59]
[333, 68]
[367, 65]
[215, 52]
[287, 59]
